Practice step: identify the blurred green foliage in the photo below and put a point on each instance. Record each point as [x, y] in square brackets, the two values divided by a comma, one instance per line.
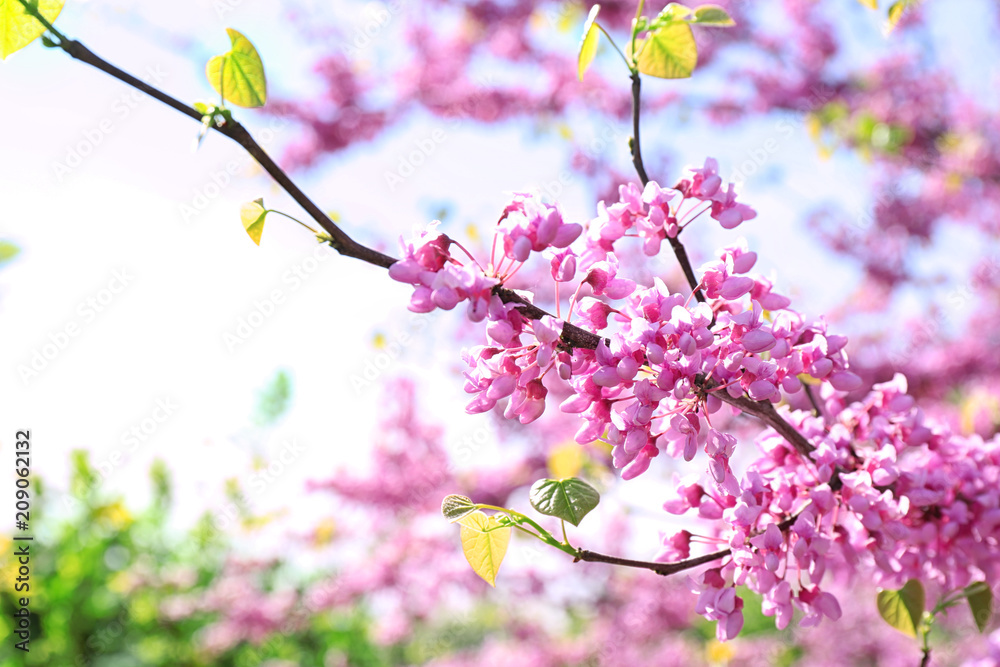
[274, 399]
[101, 573]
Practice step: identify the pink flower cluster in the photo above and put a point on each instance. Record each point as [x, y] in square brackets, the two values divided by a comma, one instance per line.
[529, 224]
[885, 489]
[880, 487]
[644, 389]
[511, 368]
[647, 387]
[656, 213]
[439, 280]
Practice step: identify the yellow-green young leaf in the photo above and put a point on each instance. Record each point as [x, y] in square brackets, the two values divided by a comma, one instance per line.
[18, 28]
[712, 15]
[252, 214]
[669, 53]
[238, 75]
[904, 608]
[484, 551]
[870, 4]
[896, 11]
[588, 46]
[980, 598]
[455, 507]
[673, 12]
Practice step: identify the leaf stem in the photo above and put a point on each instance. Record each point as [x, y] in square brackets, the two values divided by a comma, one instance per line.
[32, 11]
[543, 534]
[610, 39]
[562, 522]
[290, 217]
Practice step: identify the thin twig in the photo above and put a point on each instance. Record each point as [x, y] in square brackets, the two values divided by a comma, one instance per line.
[636, 147]
[634, 143]
[812, 399]
[666, 569]
[659, 568]
[572, 335]
[340, 240]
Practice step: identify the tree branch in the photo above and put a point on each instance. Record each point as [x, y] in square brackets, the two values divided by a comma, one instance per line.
[634, 144]
[675, 567]
[342, 242]
[764, 410]
[659, 568]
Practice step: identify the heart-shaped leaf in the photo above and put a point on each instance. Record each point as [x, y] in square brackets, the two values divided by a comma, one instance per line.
[252, 214]
[668, 53]
[588, 46]
[569, 499]
[455, 507]
[238, 75]
[712, 15]
[18, 28]
[484, 550]
[980, 597]
[904, 608]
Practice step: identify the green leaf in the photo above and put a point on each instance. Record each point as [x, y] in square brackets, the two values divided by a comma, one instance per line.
[484, 543]
[455, 507]
[252, 214]
[904, 608]
[668, 53]
[238, 75]
[569, 499]
[588, 46]
[712, 15]
[18, 28]
[980, 597]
